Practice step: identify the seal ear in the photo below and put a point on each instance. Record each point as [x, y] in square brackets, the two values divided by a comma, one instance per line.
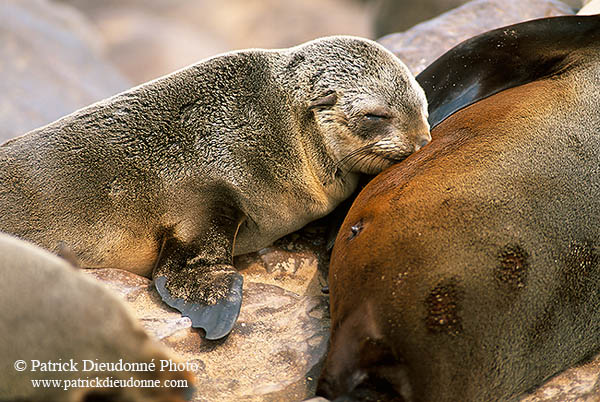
[327, 100]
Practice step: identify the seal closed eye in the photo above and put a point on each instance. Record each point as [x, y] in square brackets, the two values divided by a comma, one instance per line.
[175, 177]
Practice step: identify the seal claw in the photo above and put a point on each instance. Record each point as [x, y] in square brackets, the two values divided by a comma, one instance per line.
[216, 320]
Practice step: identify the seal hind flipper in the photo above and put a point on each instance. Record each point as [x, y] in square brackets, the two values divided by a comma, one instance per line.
[503, 58]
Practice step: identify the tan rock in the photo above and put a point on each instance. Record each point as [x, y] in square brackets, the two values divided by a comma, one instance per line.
[147, 39]
[274, 350]
[591, 7]
[425, 42]
[580, 383]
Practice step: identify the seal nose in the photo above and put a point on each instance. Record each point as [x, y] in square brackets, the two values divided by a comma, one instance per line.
[421, 140]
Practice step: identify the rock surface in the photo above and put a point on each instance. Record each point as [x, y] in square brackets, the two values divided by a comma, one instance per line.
[51, 65]
[147, 39]
[274, 350]
[591, 7]
[399, 15]
[425, 42]
[577, 384]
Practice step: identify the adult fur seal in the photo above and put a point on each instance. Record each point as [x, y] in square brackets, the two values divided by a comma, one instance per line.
[52, 313]
[471, 271]
[239, 149]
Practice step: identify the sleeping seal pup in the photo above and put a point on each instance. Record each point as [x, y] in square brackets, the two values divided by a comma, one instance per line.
[174, 177]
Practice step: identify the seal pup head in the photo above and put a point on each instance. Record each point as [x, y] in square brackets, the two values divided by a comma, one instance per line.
[365, 102]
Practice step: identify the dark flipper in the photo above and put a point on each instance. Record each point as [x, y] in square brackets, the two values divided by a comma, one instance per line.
[217, 319]
[198, 277]
[504, 58]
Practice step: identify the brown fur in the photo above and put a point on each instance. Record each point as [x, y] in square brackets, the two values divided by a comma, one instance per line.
[464, 249]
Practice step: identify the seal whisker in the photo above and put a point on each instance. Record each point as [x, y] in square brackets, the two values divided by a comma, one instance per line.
[360, 161]
[366, 148]
[356, 162]
[358, 153]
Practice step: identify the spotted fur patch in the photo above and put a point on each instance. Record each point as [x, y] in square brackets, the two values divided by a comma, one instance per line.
[443, 307]
[513, 266]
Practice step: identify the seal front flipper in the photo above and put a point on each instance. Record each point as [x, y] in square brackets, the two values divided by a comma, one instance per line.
[217, 319]
[199, 279]
[505, 58]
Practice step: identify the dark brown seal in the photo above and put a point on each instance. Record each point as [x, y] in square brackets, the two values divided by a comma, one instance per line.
[471, 271]
[174, 177]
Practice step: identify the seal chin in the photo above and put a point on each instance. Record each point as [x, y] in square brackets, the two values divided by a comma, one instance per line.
[376, 162]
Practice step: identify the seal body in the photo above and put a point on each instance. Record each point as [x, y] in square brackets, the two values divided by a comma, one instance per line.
[174, 177]
[56, 317]
[471, 271]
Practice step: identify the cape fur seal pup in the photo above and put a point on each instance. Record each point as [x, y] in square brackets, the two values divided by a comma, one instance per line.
[471, 271]
[55, 323]
[175, 176]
